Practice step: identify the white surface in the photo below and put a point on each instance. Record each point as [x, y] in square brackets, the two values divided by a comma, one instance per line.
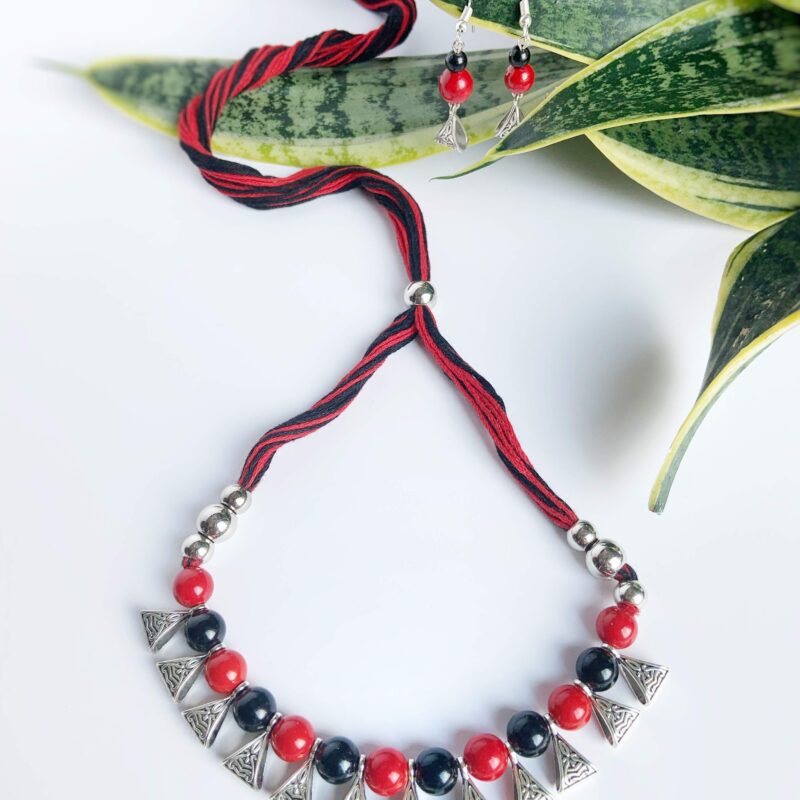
[392, 583]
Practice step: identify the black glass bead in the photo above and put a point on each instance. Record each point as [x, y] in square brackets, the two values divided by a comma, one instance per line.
[519, 56]
[597, 668]
[436, 771]
[456, 62]
[337, 760]
[253, 709]
[528, 733]
[204, 630]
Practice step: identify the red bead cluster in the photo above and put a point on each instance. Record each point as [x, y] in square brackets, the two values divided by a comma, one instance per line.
[486, 757]
[617, 625]
[519, 79]
[386, 771]
[193, 587]
[456, 87]
[569, 707]
[292, 738]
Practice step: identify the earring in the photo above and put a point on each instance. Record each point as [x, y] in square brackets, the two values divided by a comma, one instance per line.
[519, 77]
[455, 86]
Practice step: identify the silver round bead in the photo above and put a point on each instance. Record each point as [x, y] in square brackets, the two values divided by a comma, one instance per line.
[604, 558]
[581, 535]
[236, 498]
[630, 592]
[216, 522]
[197, 548]
[420, 293]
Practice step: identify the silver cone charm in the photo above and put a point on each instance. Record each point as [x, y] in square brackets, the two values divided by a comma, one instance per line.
[510, 120]
[615, 719]
[572, 767]
[247, 763]
[644, 678]
[526, 787]
[469, 790]
[161, 626]
[453, 134]
[410, 792]
[179, 674]
[299, 786]
[357, 790]
[206, 720]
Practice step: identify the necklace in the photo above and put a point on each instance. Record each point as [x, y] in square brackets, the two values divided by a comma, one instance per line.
[337, 760]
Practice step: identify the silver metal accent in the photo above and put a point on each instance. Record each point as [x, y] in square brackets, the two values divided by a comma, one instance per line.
[453, 134]
[247, 763]
[410, 792]
[643, 677]
[420, 293]
[197, 547]
[207, 719]
[179, 674]
[604, 559]
[299, 785]
[615, 719]
[236, 498]
[469, 791]
[526, 787]
[525, 21]
[581, 536]
[161, 626]
[630, 592]
[216, 522]
[572, 768]
[357, 791]
[511, 119]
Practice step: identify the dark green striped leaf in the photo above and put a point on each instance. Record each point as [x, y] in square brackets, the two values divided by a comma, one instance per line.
[759, 300]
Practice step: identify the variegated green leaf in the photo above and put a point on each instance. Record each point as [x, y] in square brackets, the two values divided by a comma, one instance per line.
[720, 56]
[743, 169]
[759, 300]
[581, 29]
[792, 5]
[377, 113]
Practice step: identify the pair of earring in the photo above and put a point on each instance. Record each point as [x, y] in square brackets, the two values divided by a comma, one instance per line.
[456, 83]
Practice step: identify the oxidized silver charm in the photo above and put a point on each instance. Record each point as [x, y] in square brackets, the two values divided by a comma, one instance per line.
[248, 762]
[206, 720]
[179, 674]
[161, 626]
[453, 134]
[572, 767]
[510, 120]
[615, 719]
[357, 790]
[410, 792]
[299, 786]
[469, 791]
[643, 677]
[526, 787]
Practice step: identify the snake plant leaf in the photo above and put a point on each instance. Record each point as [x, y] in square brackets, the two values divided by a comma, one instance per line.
[580, 29]
[759, 300]
[742, 169]
[791, 5]
[381, 112]
[720, 56]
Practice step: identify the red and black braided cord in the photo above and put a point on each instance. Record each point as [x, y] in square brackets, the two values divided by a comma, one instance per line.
[248, 186]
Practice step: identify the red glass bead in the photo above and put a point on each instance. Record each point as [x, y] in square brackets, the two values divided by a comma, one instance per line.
[193, 587]
[225, 670]
[569, 707]
[486, 757]
[455, 87]
[386, 771]
[617, 627]
[519, 79]
[292, 738]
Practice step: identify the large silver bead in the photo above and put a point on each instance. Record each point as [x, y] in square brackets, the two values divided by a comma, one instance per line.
[236, 498]
[630, 592]
[604, 558]
[216, 522]
[581, 535]
[420, 293]
[198, 548]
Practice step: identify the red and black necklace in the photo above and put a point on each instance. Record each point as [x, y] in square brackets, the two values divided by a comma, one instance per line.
[337, 760]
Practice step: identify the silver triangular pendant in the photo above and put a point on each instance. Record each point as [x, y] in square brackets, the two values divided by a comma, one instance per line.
[410, 792]
[248, 762]
[572, 767]
[453, 134]
[615, 719]
[357, 791]
[161, 626]
[469, 790]
[299, 786]
[179, 674]
[643, 677]
[206, 720]
[526, 787]
[510, 120]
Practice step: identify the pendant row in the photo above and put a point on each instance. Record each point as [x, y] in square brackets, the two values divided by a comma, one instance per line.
[386, 771]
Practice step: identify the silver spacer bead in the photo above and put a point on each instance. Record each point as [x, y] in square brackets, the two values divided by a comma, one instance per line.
[197, 548]
[236, 499]
[420, 293]
[604, 559]
[216, 522]
[630, 592]
[581, 536]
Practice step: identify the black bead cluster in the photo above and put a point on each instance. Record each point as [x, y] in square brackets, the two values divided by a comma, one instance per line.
[597, 668]
[253, 709]
[519, 56]
[337, 760]
[436, 771]
[456, 62]
[528, 733]
[204, 630]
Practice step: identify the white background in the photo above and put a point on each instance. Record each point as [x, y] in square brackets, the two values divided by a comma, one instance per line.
[391, 582]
